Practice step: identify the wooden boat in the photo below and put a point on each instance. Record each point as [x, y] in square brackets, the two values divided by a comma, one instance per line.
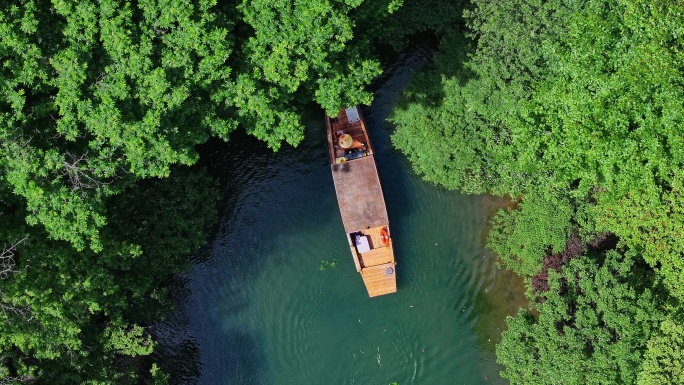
[361, 202]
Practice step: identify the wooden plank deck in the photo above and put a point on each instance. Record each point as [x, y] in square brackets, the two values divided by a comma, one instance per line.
[377, 281]
[357, 263]
[374, 238]
[359, 194]
[375, 257]
[373, 266]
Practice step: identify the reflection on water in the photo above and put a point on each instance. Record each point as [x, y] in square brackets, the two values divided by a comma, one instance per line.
[257, 309]
[504, 292]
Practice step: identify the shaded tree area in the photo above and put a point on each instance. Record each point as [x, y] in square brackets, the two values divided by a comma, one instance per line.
[592, 328]
[575, 109]
[103, 103]
[74, 317]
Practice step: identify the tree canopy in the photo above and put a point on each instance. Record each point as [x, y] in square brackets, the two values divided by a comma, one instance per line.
[574, 109]
[100, 93]
[592, 328]
[103, 103]
[71, 317]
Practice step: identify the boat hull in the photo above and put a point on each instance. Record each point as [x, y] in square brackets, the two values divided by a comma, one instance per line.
[361, 201]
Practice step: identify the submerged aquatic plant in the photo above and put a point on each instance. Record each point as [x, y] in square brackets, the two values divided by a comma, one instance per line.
[325, 264]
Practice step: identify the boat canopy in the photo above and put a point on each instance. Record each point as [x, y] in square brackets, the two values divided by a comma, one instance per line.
[359, 194]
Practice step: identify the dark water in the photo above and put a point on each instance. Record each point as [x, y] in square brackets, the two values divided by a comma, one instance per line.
[258, 309]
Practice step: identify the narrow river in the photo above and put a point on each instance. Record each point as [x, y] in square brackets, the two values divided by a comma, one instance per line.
[259, 309]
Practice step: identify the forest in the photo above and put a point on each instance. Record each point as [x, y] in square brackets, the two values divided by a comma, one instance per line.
[573, 109]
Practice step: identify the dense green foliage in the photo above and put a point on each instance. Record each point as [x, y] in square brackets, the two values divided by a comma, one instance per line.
[541, 224]
[592, 328]
[99, 93]
[69, 317]
[544, 100]
[664, 359]
[575, 109]
[102, 102]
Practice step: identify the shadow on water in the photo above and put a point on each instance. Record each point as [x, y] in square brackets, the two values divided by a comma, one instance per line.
[504, 291]
[177, 352]
[180, 355]
[390, 84]
[253, 211]
[246, 367]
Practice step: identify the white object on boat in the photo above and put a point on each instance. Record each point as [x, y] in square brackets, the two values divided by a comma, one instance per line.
[352, 114]
[362, 243]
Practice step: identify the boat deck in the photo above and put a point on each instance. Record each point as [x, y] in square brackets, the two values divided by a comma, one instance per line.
[379, 253]
[377, 281]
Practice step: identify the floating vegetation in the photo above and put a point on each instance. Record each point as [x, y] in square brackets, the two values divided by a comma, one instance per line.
[331, 264]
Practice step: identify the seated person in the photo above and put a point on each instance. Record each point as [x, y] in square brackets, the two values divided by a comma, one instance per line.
[356, 145]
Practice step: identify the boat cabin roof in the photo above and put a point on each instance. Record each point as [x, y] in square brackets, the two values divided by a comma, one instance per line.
[359, 194]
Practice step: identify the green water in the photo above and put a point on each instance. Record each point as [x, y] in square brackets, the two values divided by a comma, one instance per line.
[258, 309]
